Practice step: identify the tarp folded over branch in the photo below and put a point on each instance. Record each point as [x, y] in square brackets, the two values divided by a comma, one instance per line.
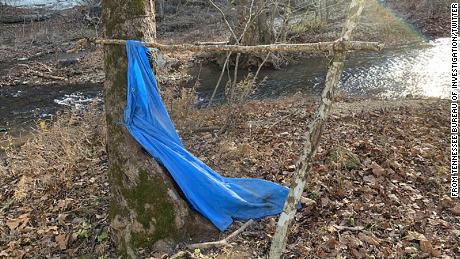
[218, 198]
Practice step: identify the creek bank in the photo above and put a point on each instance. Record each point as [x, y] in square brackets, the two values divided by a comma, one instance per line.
[432, 18]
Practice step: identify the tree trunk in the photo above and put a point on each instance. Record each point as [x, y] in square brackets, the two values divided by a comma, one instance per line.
[146, 209]
[161, 9]
[258, 31]
[322, 11]
[315, 129]
[253, 28]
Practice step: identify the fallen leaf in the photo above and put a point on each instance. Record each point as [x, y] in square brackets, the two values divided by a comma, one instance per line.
[446, 202]
[62, 240]
[291, 168]
[436, 252]
[410, 250]
[425, 246]
[307, 201]
[413, 235]
[377, 170]
[456, 210]
[13, 224]
[61, 218]
[456, 232]
[369, 239]
[18, 223]
[369, 179]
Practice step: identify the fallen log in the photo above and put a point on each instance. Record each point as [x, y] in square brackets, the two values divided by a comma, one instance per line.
[26, 18]
[293, 48]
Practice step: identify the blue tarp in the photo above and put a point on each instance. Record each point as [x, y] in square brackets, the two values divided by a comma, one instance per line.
[218, 198]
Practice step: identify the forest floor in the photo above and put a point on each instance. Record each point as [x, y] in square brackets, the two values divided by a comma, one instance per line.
[379, 186]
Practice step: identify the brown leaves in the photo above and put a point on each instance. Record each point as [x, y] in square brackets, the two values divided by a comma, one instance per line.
[426, 246]
[413, 235]
[370, 239]
[384, 207]
[377, 170]
[53, 184]
[62, 240]
[456, 210]
[18, 223]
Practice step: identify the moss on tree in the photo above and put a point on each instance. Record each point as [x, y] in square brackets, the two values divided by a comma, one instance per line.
[141, 210]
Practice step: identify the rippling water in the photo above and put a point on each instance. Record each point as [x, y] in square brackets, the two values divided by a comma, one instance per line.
[415, 70]
[418, 70]
[21, 105]
[52, 4]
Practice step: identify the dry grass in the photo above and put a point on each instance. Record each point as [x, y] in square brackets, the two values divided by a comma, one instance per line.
[55, 152]
[54, 190]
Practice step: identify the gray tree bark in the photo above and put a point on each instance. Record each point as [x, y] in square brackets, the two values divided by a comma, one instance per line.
[253, 28]
[315, 128]
[319, 47]
[258, 31]
[146, 209]
[322, 10]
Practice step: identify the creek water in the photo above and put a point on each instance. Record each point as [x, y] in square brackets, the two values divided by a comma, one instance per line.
[21, 105]
[50, 4]
[418, 70]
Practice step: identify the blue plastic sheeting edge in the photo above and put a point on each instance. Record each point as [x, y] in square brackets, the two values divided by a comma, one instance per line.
[218, 198]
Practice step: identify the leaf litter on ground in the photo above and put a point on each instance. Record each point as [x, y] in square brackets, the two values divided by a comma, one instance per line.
[379, 185]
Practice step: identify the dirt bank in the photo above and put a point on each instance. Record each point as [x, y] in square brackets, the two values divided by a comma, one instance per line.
[432, 17]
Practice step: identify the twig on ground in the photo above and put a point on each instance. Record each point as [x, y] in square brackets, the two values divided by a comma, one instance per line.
[45, 67]
[40, 74]
[223, 242]
[297, 111]
[358, 228]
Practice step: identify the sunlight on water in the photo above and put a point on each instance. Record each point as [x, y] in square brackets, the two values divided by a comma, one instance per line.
[417, 70]
[422, 71]
[432, 69]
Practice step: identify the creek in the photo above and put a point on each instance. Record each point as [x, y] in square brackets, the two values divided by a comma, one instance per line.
[416, 70]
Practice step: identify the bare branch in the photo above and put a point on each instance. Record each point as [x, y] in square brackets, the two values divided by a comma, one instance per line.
[320, 47]
[315, 128]
[225, 20]
[247, 23]
[358, 228]
[220, 79]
